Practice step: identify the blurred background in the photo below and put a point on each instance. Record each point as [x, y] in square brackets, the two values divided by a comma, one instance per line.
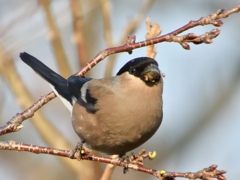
[201, 121]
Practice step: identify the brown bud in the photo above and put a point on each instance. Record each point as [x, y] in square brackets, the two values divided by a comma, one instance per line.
[185, 45]
[217, 23]
[191, 36]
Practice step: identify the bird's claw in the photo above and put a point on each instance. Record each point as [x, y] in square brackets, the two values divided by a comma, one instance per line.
[132, 158]
[126, 159]
[78, 151]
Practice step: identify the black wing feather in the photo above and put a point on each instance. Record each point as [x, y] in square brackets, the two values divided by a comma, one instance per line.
[75, 84]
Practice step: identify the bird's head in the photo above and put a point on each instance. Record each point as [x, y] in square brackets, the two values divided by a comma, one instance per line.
[144, 68]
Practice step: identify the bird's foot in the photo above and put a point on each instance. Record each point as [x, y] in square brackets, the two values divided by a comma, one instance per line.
[78, 151]
[132, 158]
[126, 159]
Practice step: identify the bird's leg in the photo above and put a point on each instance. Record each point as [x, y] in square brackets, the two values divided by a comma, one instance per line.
[122, 159]
[79, 148]
[128, 160]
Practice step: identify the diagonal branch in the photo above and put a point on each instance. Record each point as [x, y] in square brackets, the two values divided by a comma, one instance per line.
[213, 19]
[15, 123]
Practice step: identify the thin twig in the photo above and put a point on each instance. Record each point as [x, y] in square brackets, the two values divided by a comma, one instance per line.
[206, 174]
[78, 31]
[59, 52]
[153, 30]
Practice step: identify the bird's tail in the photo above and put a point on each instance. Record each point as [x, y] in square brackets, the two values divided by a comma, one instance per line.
[58, 82]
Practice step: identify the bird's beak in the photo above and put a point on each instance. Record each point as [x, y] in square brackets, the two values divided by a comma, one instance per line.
[151, 73]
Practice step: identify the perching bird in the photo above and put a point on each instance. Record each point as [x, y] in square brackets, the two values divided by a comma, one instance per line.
[112, 115]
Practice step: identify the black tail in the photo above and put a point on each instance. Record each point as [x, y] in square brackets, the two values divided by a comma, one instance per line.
[57, 81]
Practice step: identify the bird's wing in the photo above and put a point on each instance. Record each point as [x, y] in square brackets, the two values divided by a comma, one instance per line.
[78, 87]
[88, 91]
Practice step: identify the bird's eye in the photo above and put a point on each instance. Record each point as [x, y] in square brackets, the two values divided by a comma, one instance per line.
[132, 71]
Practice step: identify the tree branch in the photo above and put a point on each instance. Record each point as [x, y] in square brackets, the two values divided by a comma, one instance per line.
[15, 123]
[213, 19]
[204, 174]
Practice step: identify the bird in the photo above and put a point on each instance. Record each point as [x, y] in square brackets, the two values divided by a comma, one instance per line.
[112, 115]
